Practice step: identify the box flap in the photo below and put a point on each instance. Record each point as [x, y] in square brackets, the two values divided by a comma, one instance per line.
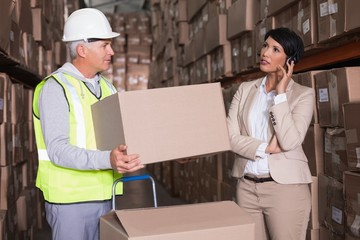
[105, 109]
[182, 218]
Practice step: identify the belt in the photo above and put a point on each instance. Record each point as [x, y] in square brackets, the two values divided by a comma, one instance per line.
[259, 180]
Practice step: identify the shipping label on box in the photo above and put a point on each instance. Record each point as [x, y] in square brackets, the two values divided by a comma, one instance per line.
[165, 123]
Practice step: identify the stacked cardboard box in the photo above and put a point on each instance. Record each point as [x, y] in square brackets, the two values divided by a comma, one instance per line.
[336, 18]
[242, 16]
[18, 162]
[30, 39]
[130, 68]
[196, 30]
[335, 146]
[352, 204]
[29, 30]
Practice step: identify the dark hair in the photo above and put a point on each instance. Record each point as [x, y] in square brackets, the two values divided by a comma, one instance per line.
[289, 40]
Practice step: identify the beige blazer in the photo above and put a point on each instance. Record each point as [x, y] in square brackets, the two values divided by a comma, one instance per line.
[288, 120]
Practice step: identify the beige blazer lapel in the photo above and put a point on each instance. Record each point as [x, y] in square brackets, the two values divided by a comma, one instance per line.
[248, 104]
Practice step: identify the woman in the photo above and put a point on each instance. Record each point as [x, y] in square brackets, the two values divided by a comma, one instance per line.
[268, 119]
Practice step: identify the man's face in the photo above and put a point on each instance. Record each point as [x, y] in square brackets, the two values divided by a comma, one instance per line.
[98, 55]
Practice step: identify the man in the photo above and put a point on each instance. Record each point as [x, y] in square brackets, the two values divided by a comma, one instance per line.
[75, 178]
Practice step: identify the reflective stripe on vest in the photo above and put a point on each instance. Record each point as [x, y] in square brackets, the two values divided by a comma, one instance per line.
[78, 111]
[43, 155]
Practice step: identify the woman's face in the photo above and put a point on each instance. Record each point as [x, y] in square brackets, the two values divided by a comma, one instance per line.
[272, 55]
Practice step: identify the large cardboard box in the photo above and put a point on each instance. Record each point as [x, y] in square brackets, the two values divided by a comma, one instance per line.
[189, 53]
[313, 146]
[305, 21]
[334, 88]
[335, 159]
[2, 97]
[137, 76]
[14, 46]
[330, 19]
[215, 33]
[337, 17]
[181, 10]
[283, 19]
[241, 17]
[25, 17]
[210, 221]
[352, 202]
[17, 103]
[193, 7]
[41, 29]
[7, 7]
[7, 192]
[242, 52]
[6, 143]
[308, 79]
[277, 6]
[220, 60]
[352, 22]
[352, 132]
[164, 123]
[200, 43]
[247, 51]
[331, 204]
[23, 210]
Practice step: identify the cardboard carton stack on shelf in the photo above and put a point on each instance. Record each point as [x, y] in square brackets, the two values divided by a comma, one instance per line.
[30, 40]
[19, 202]
[31, 34]
[185, 47]
[131, 63]
[189, 42]
[170, 29]
[242, 16]
[333, 132]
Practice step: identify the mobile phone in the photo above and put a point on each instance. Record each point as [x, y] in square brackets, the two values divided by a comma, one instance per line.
[292, 58]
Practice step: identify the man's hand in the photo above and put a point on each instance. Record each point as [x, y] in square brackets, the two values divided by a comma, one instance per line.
[123, 163]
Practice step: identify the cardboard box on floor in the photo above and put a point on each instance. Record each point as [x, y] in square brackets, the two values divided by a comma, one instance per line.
[210, 221]
[164, 123]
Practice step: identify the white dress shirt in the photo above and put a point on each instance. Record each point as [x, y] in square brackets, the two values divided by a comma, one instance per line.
[259, 124]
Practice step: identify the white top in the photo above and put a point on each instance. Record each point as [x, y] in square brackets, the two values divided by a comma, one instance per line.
[259, 124]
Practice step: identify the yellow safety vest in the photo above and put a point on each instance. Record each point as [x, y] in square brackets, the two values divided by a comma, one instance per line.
[64, 185]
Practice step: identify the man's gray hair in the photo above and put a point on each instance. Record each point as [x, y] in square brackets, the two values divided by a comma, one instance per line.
[73, 45]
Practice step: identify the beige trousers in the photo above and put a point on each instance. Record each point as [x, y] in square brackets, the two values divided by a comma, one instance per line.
[280, 211]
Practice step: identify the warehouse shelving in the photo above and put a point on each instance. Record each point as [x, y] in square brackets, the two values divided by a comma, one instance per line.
[18, 71]
[323, 56]
[330, 56]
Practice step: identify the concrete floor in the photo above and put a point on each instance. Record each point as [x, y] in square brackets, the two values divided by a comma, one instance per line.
[137, 194]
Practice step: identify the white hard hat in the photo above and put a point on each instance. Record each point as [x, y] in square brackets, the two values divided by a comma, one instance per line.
[87, 23]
